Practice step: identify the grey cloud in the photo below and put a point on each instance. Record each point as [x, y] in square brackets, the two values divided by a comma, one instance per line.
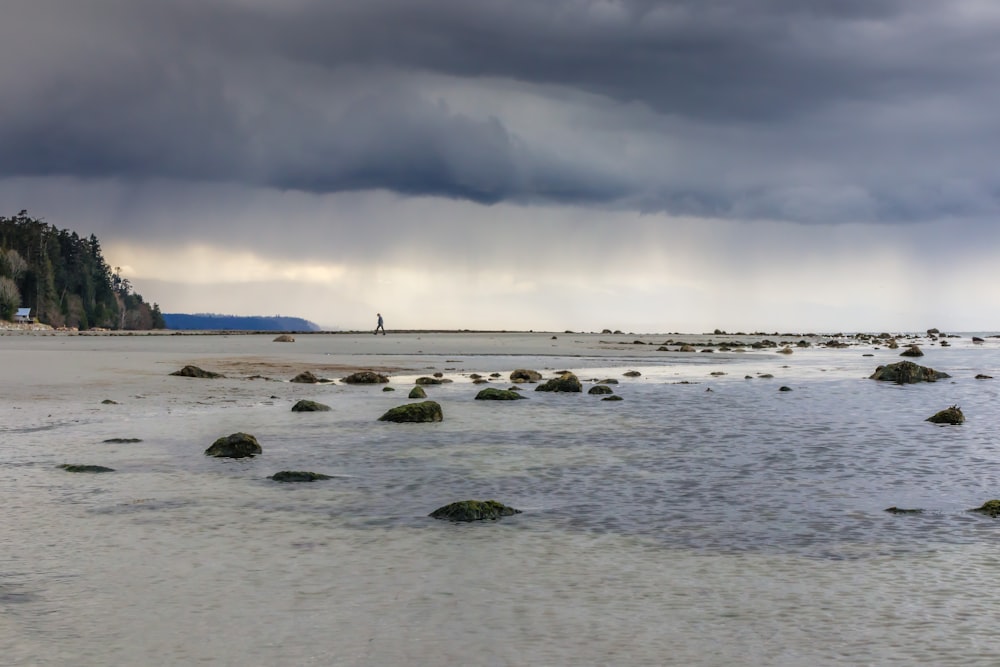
[811, 111]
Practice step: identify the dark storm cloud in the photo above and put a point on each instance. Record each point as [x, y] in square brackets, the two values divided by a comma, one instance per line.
[812, 110]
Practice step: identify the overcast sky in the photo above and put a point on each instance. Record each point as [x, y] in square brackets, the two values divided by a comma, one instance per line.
[651, 166]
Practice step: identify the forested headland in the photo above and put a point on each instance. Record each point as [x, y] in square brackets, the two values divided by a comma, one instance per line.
[64, 279]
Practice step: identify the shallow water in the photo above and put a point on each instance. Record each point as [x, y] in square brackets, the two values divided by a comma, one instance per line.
[741, 525]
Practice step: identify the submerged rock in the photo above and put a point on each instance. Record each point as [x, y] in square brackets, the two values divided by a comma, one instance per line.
[417, 392]
[600, 389]
[952, 415]
[525, 375]
[122, 441]
[989, 508]
[306, 377]
[284, 338]
[69, 467]
[473, 510]
[429, 380]
[310, 406]
[900, 510]
[365, 377]
[494, 394]
[567, 382]
[195, 372]
[980, 376]
[235, 446]
[427, 411]
[613, 398]
[298, 476]
[907, 372]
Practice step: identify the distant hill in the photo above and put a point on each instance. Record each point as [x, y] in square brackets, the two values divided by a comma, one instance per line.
[213, 322]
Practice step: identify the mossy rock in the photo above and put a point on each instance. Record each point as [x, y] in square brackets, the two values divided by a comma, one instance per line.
[989, 508]
[429, 380]
[567, 382]
[235, 446]
[306, 377]
[600, 389]
[952, 415]
[912, 351]
[473, 510]
[70, 467]
[907, 372]
[310, 406]
[525, 375]
[427, 411]
[365, 377]
[612, 398]
[388, 389]
[494, 394]
[298, 476]
[900, 510]
[195, 372]
[632, 374]
[608, 381]
[417, 392]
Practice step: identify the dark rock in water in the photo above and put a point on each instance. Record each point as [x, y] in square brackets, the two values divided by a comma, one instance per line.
[984, 377]
[310, 406]
[525, 375]
[609, 381]
[900, 510]
[429, 380]
[952, 415]
[907, 372]
[475, 376]
[631, 374]
[612, 398]
[977, 339]
[428, 411]
[388, 389]
[284, 338]
[298, 476]
[365, 377]
[195, 372]
[912, 351]
[68, 467]
[234, 446]
[122, 441]
[473, 510]
[306, 377]
[784, 388]
[765, 376]
[108, 401]
[493, 394]
[990, 508]
[600, 389]
[417, 392]
[567, 382]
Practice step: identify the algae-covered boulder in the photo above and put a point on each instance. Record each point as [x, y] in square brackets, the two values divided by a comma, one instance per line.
[632, 374]
[525, 375]
[989, 508]
[907, 372]
[429, 380]
[417, 392]
[494, 394]
[365, 377]
[613, 398]
[70, 467]
[952, 415]
[600, 389]
[310, 406]
[901, 510]
[234, 446]
[912, 351]
[284, 338]
[195, 372]
[306, 377]
[298, 476]
[427, 411]
[566, 382]
[473, 510]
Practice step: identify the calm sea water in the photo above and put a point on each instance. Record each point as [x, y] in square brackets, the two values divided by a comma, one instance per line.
[704, 520]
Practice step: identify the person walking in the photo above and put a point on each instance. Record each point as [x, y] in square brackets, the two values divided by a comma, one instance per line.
[380, 325]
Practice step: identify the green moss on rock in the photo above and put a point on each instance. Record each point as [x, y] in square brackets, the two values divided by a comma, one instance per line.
[567, 382]
[952, 415]
[417, 392]
[310, 406]
[494, 394]
[426, 411]
[473, 510]
[365, 377]
[989, 508]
